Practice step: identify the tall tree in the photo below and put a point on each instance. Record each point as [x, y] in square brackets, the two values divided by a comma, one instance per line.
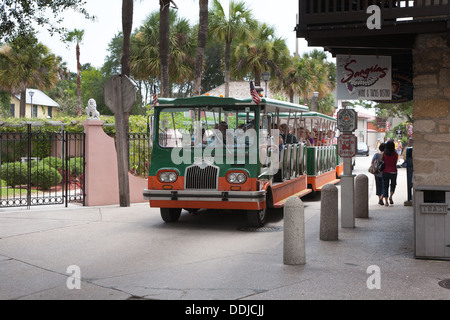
[145, 56]
[77, 37]
[164, 43]
[262, 52]
[19, 16]
[26, 63]
[238, 22]
[201, 45]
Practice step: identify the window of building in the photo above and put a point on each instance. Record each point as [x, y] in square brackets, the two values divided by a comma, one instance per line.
[13, 110]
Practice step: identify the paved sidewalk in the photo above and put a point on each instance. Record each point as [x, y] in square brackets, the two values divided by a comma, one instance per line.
[128, 252]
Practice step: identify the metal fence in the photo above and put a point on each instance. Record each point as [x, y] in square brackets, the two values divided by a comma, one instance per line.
[39, 167]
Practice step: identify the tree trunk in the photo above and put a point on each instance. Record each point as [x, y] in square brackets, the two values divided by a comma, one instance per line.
[23, 103]
[79, 112]
[127, 25]
[164, 30]
[201, 44]
[257, 77]
[227, 68]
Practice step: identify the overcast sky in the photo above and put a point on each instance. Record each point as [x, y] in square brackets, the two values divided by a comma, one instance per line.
[109, 22]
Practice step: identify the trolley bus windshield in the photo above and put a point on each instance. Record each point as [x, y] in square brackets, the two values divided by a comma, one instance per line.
[197, 127]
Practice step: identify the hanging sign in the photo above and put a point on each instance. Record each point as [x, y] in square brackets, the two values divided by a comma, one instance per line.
[364, 77]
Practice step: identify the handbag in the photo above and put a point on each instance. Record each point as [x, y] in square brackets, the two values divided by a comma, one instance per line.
[374, 167]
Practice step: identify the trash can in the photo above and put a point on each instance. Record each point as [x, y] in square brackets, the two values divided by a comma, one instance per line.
[432, 222]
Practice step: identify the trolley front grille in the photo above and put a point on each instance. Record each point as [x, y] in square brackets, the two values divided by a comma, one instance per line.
[199, 178]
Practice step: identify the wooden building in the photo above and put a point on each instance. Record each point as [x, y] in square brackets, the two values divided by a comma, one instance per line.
[416, 35]
[38, 105]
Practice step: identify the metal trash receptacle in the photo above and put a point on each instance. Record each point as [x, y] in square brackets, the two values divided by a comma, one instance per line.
[432, 222]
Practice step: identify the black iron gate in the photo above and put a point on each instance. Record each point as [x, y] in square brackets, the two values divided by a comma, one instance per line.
[41, 167]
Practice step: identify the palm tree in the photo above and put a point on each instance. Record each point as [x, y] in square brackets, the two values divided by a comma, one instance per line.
[145, 57]
[127, 25]
[164, 43]
[226, 27]
[77, 37]
[322, 72]
[201, 45]
[25, 63]
[261, 52]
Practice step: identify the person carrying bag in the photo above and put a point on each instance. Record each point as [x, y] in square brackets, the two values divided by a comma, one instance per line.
[375, 166]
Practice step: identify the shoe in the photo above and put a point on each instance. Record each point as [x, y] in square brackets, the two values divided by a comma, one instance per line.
[381, 202]
[390, 201]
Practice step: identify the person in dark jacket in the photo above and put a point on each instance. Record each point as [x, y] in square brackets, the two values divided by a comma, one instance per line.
[390, 158]
[379, 176]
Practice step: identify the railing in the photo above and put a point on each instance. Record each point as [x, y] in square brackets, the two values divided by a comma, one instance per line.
[331, 12]
[140, 149]
[39, 167]
[320, 160]
[292, 161]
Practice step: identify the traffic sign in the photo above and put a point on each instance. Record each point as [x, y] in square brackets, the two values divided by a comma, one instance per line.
[347, 145]
[347, 120]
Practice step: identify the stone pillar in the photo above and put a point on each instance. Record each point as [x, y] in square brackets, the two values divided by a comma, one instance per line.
[101, 180]
[294, 232]
[329, 217]
[431, 110]
[362, 196]
[101, 177]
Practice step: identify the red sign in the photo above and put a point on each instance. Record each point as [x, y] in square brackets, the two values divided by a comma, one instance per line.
[347, 145]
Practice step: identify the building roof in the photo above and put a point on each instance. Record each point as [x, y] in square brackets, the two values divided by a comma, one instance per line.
[39, 98]
[238, 90]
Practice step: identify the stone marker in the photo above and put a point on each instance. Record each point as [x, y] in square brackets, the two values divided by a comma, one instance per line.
[362, 197]
[329, 218]
[294, 252]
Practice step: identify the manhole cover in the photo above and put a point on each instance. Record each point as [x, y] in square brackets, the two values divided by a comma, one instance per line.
[261, 229]
[445, 283]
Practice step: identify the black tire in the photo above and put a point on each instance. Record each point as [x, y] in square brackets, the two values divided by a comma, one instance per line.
[256, 218]
[170, 215]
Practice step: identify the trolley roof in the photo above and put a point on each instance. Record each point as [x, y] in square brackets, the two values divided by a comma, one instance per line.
[270, 105]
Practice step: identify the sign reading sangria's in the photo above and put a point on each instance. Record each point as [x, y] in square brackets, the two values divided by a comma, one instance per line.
[364, 77]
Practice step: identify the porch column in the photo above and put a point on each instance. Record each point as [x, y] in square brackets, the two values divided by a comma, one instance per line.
[431, 110]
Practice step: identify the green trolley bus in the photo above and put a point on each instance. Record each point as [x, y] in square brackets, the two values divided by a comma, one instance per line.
[224, 153]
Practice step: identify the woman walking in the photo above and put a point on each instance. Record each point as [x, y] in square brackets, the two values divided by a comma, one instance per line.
[379, 176]
[390, 172]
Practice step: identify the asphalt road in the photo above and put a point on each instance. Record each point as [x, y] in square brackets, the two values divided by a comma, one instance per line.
[130, 253]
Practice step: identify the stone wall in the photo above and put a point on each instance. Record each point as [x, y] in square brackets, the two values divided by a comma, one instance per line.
[432, 110]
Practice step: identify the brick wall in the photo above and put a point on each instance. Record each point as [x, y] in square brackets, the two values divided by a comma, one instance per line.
[432, 110]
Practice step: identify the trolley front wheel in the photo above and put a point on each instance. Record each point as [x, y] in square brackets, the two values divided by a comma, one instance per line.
[257, 218]
[170, 215]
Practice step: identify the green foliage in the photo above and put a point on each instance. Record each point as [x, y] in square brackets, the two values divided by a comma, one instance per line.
[53, 162]
[44, 177]
[76, 166]
[14, 173]
[21, 16]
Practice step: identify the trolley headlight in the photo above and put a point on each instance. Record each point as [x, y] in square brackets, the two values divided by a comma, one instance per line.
[237, 178]
[168, 177]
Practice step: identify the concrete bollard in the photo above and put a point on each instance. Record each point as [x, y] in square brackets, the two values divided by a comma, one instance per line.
[329, 217]
[294, 252]
[362, 196]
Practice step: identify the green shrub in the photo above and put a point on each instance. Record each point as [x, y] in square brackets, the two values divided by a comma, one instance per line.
[53, 162]
[14, 173]
[76, 166]
[44, 177]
